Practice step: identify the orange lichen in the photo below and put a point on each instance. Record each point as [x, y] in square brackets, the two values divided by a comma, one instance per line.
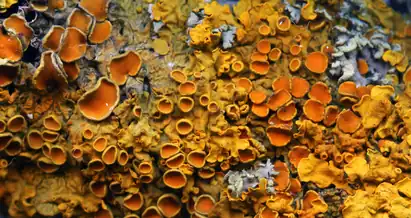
[134, 202]
[327, 48]
[263, 46]
[100, 144]
[176, 161]
[136, 140]
[257, 56]
[213, 107]
[331, 114]
[407, 76]
[145, 167]
[206, 173]
[283, 178]
[174, 178]
[196, 158]
[16, 123]
[363, 90]
[237, 66]
[282, 82]
[98, 103]
[295, 49]
[314, 110]
[204, 100]
[97, 8]
[5, 139]
[299, 87]
[295, 64]
[99, 189]
[316, 62]
[297, 153]
[77, 152]
[165, 105]
[12, 48]
[34, 139]
[123, 65]
[319, 171]
[260, 67]
[169, 205]
[187, 88]
[3, 126]
[72, 70]
[109, 155]
[287, 112]
[49, 73]
[244, 83]
[278, 135]
[51, 122]
[261, 110]
[96, 165]
[257, 97]
[46, 165]
[281, 202]
[15, 147]
[53, 37]
[317, 25]
[264, 30]
[186, 104]
[160, 46]
[347, 88]
[320, 91]
[283, 23]
[313, 204]
[362, 66]
[204, 204]
[87, 133]
[279, 99]
[50, 136]
[268, 213]
[247, 155]
[274, 54]
[178, 76]
[73, 45]
[151, 212]
[184, 126]
[18, 25]
[80, 20]
[348, 122]
[307, 12]
[58, 155]
[8, 73]
[56, 5]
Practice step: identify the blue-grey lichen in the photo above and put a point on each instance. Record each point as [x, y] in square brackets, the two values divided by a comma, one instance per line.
[351, 45]
[293, 10]
[241, 181]
[195, 18]
[227, 35]
[324, 12]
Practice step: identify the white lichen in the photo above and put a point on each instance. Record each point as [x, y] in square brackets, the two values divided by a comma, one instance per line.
[195, 18]
[241, 181]
[157, 26]
[351, 44]
[227, 35]
[294, 10]
[324, 13]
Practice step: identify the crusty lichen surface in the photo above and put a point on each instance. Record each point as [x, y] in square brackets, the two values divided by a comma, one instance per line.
[204, 108]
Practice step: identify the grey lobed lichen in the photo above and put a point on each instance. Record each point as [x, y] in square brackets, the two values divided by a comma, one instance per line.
[227, 35]
[195, 18]
[293, 10]
[351, 45]
[241, 181]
